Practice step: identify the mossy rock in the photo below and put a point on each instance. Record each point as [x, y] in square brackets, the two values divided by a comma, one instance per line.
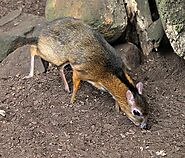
[172, 15]
[107, 16]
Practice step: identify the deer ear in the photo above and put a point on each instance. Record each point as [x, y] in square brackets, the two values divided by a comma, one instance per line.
[130, 98]
[139, 87]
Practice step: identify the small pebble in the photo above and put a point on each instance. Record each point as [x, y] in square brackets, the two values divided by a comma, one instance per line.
[161, 153]
[2, 112]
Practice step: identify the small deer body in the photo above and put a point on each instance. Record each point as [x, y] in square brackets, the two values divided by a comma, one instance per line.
[70, 41]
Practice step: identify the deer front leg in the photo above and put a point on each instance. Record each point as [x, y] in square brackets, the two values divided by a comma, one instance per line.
[76, 83]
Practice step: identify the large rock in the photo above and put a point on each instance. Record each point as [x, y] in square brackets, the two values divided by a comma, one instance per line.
[172, 13]
[107, 16]
[130, 55]
[18, 29]
[148, 24]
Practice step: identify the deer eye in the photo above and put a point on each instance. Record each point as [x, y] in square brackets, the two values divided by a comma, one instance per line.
[136, 113]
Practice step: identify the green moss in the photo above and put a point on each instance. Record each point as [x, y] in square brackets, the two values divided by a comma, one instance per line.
[49, 11]
[172, 10]
[179, 28]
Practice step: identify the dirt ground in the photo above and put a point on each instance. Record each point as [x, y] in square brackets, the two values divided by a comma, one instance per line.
[28, 6]
[41, 122]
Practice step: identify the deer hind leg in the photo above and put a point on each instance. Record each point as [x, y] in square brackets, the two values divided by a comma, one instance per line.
[62, 75]
[76, 83]
[33, 51]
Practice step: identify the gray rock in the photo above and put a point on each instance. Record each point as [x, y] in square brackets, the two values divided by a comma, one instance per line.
[18, 29]
[150, 31]
[107, 16]
[18, 63]
[130, 55]
[172, 14]
[6, 44]
[11, 16]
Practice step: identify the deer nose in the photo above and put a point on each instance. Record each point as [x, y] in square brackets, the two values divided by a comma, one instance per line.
[145, 126]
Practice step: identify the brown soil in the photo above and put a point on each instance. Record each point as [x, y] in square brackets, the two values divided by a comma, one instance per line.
[40, 121]
[28, 6]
